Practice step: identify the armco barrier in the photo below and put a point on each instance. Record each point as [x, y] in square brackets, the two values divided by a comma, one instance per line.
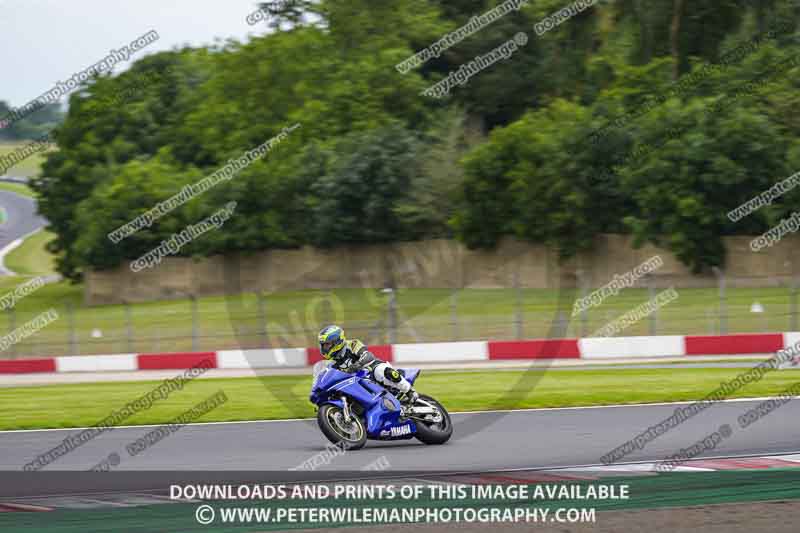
[441, 352]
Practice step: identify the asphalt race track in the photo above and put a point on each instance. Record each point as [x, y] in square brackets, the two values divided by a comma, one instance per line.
[21, 218]
[481, 442]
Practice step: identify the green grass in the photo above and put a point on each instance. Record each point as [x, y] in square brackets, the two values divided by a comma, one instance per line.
[292, 318]
[19, 188]
[27, 167]
[31, 258]
[278, 397]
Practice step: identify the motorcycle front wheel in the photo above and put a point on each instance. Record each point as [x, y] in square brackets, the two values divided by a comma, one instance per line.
[350, 435]
[434, 432]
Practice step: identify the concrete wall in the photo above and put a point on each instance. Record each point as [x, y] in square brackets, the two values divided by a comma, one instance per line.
[430, 264]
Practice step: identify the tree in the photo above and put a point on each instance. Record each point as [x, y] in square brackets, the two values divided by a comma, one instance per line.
[436, 190]
[684, 189]
[531, 181]
[32, 126]
[357, 199]
[373, 161]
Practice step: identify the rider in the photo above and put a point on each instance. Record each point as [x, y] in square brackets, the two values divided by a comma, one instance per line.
[351, 356]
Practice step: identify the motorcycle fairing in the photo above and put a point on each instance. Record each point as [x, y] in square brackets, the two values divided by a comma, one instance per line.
[381, 408]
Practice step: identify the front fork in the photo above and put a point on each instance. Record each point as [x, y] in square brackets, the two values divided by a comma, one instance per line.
[346, 409]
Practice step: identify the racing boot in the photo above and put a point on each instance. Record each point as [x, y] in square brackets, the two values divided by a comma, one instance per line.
[409, 397]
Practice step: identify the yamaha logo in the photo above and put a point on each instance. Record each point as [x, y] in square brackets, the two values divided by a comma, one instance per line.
[399, 431]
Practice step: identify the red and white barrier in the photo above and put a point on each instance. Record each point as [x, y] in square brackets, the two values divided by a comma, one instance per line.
[617, 347]
[440, 352]
[383, 351]
[738, 344]
[437, 352]
[97, 363]
[534, 349]
[262, 358]
[27, 366]
[169, 361]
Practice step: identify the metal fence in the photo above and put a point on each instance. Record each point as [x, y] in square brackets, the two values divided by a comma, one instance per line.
[388, 316]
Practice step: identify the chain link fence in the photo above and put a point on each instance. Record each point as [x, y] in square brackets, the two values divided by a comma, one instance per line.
[292, 319]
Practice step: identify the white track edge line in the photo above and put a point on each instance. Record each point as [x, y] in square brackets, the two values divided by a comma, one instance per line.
[388, 473]
[532, 409]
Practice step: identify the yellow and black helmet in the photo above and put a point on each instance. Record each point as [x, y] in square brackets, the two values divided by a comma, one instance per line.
[331, 342]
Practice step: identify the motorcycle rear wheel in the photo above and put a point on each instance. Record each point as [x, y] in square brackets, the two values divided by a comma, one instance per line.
[350, 436]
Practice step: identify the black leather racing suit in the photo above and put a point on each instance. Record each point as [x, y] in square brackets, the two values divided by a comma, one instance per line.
[355, 356]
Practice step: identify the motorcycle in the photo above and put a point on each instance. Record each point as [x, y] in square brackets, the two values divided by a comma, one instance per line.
[352, 408]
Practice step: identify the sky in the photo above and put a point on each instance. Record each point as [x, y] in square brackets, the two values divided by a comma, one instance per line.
[43, 42]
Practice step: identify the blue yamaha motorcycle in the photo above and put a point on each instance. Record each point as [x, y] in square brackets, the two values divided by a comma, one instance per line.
[353, 408]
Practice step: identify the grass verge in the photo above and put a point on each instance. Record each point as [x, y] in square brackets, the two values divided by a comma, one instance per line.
[28, 166]
[31, 258]
[280, 397]
[19, 188]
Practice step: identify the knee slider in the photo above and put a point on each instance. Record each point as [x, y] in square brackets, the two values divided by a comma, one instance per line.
[392, 374]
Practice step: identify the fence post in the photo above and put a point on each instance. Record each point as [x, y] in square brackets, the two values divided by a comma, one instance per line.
[651, 294]
[129, 326]
[12, 325]
[33, 345]
[584, 309]
[454, 313]
[73, 337]
[392, 316]
[723, 304]
[193, 300]
[518, 306]
[262, 318]
[563, 324]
